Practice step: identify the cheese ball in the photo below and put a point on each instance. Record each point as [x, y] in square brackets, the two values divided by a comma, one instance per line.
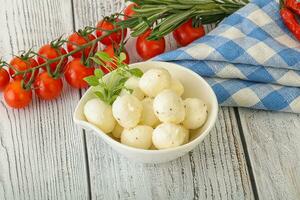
[138, 137]
[100, 114]
[148, 116]
[127, 110]
[169, 107]
[168, 135]
[133, 84]
[117, 131]
[177, 87]
[196, 113]
[154, 81]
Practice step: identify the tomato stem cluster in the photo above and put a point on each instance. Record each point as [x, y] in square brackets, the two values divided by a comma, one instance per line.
[60, 58]
[148, 19]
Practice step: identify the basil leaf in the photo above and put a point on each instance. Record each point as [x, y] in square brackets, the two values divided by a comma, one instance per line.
[112, 99]
[100, 95]
[98, 73]
[122, 81]
[92, 80]
[122, 57]
[136, 72]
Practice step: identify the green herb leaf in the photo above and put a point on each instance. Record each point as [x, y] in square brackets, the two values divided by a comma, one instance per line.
[92, 80]
[103, 56]
[98, 73]
[117, 91]
[108, 89]
[113, 98]
[136, 72]
[100, 95]
[122, 57]
[122, 81]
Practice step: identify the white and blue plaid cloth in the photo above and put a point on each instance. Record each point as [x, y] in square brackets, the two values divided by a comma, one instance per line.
[250, 59]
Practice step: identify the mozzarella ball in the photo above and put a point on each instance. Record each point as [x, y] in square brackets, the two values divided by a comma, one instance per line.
[127, 110]
[168, 107]
[138, 137]
[100, 114]
[177, 87]
[148, 116]
[168, 135]
[133, 84]
[154, 81]
[196, 113]
[117, 131]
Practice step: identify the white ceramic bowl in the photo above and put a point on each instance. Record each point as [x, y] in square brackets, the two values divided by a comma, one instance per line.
[194, 86]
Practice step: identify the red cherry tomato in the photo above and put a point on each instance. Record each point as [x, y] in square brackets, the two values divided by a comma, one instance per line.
[110, 50]
[21, 65]
[149, 48]
[186, 33]
[49, 52]
[128, 11]
[46, 87]
[16, 96]
[115, 37]
[76, 72]
[4, 79]
[75, 38]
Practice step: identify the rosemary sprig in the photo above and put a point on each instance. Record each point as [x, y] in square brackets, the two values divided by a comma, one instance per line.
[163, 16]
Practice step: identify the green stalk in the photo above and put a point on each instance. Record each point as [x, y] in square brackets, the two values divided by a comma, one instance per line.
[166, 15]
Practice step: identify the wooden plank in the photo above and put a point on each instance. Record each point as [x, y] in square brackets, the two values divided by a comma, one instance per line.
[216, 169]
[41, 151]
[273, 144]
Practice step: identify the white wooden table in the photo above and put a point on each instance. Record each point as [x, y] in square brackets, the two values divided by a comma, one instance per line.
[43, 155]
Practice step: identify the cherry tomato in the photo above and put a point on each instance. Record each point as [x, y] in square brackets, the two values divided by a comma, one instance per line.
[149, 48]
[128, 11]
[4, 79]
[110, 50]
[186, 33]
[115, 37]
[46, 87]
[76, 72]
[49, 52]
[16, 96]
[22, 65]
[75, 38]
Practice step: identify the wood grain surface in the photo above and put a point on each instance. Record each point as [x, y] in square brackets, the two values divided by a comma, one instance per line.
[216, 169]
[41, 150]
[273, 143]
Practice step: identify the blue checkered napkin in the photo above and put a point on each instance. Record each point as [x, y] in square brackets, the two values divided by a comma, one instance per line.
[250, 59]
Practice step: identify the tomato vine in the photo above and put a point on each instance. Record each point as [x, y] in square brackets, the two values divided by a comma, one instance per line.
[158, 18]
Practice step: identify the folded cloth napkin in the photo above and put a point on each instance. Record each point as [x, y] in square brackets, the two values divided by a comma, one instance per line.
[250, 59]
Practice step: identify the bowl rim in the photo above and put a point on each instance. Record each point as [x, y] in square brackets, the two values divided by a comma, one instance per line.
[214, 113]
